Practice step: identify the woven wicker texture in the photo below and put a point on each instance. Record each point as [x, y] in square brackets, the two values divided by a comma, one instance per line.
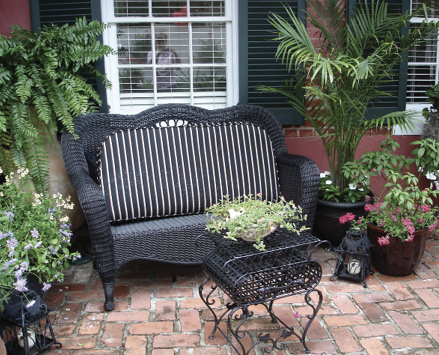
[298, 179]
[250, 277]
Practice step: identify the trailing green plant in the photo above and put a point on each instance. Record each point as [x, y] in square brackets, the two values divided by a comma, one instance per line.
[42, 89]
[252, 218]
[340, 78]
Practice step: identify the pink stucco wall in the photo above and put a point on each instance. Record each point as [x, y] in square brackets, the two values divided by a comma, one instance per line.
[14, 12]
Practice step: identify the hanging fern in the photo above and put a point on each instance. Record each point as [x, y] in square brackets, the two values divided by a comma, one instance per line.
[42, 90]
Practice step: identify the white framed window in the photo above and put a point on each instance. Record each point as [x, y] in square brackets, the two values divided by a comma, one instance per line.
[170, 52]
[423, 65]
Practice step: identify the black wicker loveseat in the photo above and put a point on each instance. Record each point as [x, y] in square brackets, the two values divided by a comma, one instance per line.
[144, 181]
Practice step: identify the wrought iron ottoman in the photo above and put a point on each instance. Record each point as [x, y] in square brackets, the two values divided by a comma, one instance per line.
[250, 277]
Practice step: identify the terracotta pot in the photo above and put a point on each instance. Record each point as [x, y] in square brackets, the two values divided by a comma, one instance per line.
[326, 223]
[397, 258]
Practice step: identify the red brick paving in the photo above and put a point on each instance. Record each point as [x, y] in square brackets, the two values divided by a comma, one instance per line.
[158, 312]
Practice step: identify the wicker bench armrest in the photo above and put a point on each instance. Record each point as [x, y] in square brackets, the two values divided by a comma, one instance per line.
[299, 180]
[93, 205]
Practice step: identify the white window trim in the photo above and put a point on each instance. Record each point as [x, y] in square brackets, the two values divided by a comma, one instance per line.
[111, 61]
[418, 107]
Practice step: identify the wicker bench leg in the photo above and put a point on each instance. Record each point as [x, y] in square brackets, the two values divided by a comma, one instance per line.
[109, 291]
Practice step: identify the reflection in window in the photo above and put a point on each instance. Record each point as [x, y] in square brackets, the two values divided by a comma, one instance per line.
[168, 60]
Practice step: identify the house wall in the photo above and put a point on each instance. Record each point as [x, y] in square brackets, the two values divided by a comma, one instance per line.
[299, 139]
[14, 12]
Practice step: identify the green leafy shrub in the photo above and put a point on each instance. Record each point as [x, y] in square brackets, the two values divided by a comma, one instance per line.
[42, 89]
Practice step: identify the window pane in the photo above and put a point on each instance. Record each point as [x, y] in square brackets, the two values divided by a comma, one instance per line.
[422, 69]
[431, 12]
[209, 43]
[419, 80]
[172, 38]
[133, 43]
[167, 8]
[207, 8]
[133, 80]
[124, 8]
[426, 52]
[209, 79]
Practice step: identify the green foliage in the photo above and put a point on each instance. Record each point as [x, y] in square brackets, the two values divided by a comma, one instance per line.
[253, 214]
[34, 235]
[433, 97]
[328, 191]
[342, 76]
[42, 90]
[403, 206]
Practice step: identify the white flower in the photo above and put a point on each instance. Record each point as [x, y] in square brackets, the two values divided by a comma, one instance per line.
[30, 304]
[361, 189]
[431, 176]
[327, 173]
[20, 285]
[352, 187]
[328, 182]
[233, 214]
[322, 175]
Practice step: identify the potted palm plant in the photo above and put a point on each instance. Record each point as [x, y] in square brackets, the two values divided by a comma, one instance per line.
[402, 216]
[42, 88]
[341, 77]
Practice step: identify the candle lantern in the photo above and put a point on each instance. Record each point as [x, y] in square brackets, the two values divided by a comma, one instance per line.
[353, 260]
[25, 324]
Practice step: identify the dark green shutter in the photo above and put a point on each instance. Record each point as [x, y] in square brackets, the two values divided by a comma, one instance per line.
[257, 63]
[60, 12]
[398, 88]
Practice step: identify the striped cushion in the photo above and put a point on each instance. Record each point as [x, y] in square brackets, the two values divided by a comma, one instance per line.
[166, 171]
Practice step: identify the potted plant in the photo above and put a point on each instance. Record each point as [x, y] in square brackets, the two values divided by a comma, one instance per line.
[34, 235]
[42, 88]
[402, 216]
[252, 218]
[338, 79]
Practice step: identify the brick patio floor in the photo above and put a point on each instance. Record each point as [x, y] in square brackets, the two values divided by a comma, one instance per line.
[158, 312]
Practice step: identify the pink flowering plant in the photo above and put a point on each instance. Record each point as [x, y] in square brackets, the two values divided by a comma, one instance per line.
[236, 217]
[34, 235]
[402, 207]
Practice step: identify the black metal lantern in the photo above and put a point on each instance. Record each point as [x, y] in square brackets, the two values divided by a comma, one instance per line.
[353, 260]
[25, 324]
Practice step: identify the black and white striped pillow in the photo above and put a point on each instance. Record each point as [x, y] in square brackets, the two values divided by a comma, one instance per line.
[166, 171]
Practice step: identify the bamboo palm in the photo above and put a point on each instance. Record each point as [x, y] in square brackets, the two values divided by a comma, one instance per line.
[42, 89]
[342, 76]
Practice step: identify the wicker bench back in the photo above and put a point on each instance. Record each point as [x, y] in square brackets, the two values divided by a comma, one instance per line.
[180, 170]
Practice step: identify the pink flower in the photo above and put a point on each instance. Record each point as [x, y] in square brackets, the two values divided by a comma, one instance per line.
[432, 228]
[425, 208]
[297, 315]
[260, 221]
[384, 240]
[347, 217]
[410, 239]
[368, 207]
[259, 194]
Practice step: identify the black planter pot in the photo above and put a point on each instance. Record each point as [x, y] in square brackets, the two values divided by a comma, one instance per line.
[327, 225]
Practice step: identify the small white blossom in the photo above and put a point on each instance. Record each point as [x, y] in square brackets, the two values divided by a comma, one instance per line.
[352, 187]
[327, 173]
[30, 304]
[322, 175]
[328, 182]
[431, 176]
